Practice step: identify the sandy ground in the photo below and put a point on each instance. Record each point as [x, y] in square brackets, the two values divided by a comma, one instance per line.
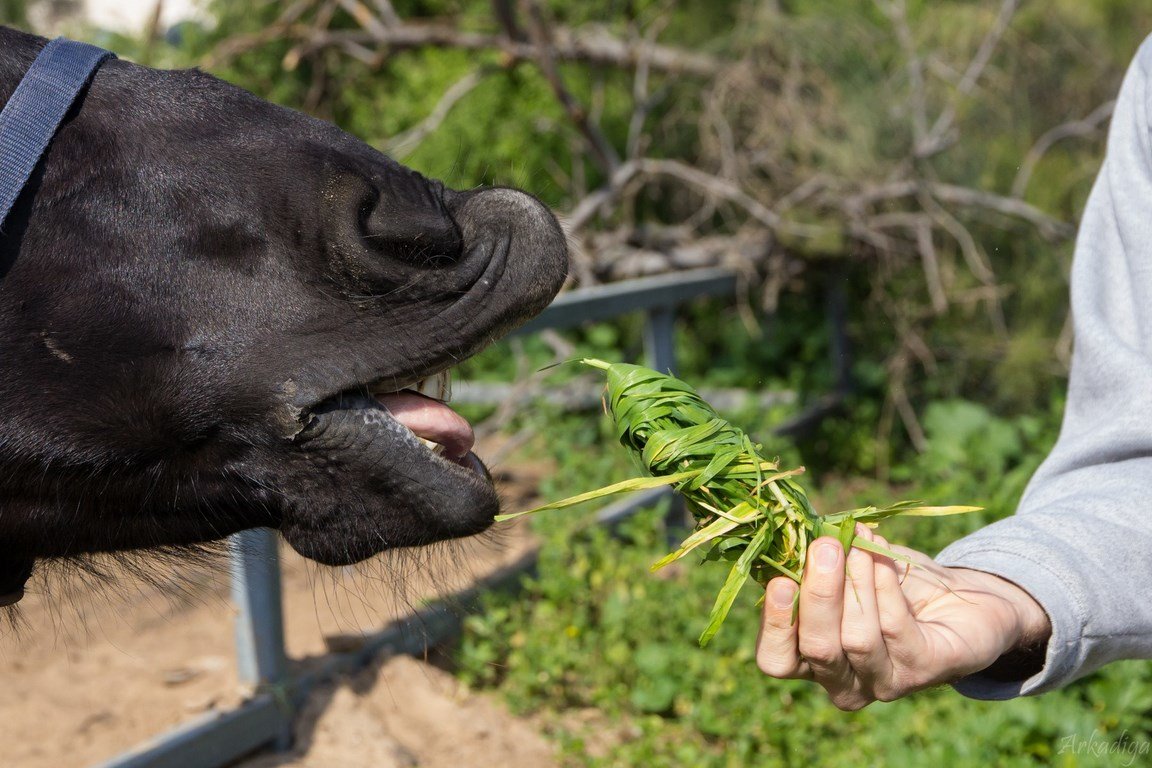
[403, 713]
[94, 671]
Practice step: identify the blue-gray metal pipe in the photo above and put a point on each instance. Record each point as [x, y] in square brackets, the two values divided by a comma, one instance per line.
[660, 349]
[659, 339]
[261, 660]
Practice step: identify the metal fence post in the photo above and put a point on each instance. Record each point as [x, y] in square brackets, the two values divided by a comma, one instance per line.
[659, 337]
[260, 653]
[660, 349]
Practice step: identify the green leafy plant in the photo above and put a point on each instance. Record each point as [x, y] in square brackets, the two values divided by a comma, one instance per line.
[596, 656]
[748, 511]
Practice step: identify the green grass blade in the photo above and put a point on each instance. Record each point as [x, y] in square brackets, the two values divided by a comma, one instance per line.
[733, 584]
[873, 547]
[635, 484]
[745, 507]
[904, 508]
[717, 527]
[937, 511]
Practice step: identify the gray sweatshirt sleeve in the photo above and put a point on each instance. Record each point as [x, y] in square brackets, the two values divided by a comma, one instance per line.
[1081, 540]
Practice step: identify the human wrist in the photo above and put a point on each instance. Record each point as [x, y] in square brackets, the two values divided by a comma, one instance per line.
[1026, 628]
[1032, 625]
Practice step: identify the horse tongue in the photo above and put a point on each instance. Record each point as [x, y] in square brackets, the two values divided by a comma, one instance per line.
[431, 420]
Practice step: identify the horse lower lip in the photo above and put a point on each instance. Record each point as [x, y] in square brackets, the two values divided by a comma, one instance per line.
[469, 461]
[472, 461]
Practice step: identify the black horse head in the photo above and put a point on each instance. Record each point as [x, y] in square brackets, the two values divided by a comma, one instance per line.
[211, 309]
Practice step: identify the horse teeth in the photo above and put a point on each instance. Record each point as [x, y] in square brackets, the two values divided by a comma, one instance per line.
[438, 387]
[432, 446]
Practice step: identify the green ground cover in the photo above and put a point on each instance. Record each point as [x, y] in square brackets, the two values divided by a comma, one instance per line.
[603, 654]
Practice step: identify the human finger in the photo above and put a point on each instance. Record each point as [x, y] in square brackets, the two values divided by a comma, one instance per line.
[777, 652]
[821, 615]
[860, 634]
[903, 640]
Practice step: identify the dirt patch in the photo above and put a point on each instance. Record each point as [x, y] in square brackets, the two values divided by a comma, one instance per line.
[94, 671]
[406, 713]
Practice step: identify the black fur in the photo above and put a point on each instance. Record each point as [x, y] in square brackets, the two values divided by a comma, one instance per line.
[188, 284]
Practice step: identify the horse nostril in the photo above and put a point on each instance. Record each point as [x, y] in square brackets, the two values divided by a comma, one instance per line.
[408, 222]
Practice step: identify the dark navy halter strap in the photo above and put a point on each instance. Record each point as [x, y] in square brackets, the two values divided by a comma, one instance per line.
[32, 116]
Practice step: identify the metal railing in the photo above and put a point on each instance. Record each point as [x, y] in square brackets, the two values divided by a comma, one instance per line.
[265, 719]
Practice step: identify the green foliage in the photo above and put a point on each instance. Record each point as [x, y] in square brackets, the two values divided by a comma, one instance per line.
[599, 648]
[601, 652]
[747, 510]
[14, 12]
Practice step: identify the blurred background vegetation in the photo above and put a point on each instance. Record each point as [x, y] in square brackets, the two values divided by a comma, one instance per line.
[926, 161]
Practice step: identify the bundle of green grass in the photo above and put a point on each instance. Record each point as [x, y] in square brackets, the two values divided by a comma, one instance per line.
[747, 510]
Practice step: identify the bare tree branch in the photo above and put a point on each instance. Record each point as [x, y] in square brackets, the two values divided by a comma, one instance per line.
[968, 247]
[273, 31]
[319, 85]
[1049, 227]
[640, 102]
[407, 141]
[540, 33]
[1086, 126]
[937, 138]
[505, 13]
[897, 13]
[592, 46]
[931, 263]
[896, 401]
[364, 17]
[586, 209]
[387, 13]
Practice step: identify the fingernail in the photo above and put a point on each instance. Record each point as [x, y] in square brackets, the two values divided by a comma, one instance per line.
[780, 592]
[827, 557]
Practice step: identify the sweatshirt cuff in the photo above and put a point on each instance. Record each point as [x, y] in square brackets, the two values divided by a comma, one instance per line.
[1019, 563]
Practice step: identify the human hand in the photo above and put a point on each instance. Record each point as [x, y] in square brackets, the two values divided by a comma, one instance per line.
[880, 629]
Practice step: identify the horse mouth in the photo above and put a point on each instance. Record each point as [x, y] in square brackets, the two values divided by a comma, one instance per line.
[424, 411]
[384, 468]
[418, 414]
